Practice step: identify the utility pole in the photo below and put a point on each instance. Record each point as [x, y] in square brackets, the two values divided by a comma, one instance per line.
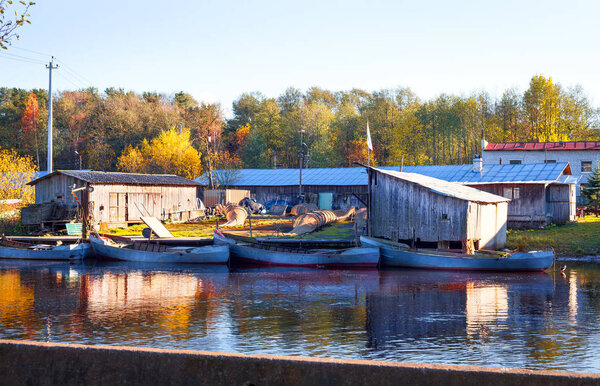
[301, 164]
[50, 66]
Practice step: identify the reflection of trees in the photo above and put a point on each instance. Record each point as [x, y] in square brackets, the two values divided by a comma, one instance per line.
[16, 303]
[166, 301]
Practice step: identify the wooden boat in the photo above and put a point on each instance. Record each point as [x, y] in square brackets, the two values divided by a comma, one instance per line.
[145, 252]
[10, 249]
[400, 255]
[246, 250]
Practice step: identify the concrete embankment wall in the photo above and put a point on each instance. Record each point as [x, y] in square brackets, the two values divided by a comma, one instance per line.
[50, 363]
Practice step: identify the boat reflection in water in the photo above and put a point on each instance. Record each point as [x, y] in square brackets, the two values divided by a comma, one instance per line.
[493, 319]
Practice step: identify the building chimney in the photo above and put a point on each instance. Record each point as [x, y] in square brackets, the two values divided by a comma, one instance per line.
[477, 163]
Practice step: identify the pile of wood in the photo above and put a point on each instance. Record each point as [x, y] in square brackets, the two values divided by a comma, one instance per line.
[235, 214]
[312, 221]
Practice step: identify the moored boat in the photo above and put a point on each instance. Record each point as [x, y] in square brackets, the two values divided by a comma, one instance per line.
[244, 251]
[10, 249]
[400, 255]
[105, 248]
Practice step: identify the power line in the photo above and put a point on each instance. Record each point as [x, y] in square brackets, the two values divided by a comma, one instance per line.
[68, 80]
[21, 60]
[22, 57]
[75, 73]
[32, 51]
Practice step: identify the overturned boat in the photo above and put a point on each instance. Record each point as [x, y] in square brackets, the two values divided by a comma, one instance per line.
[147, 252]
[401, 255]
[10, 249]
[247, 250]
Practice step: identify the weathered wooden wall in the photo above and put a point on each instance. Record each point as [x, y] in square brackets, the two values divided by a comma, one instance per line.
[126, 203]
[117, 203]
[343, 196]
[402, 211]
[56, 189]
[212, 197]
[561, 201]
[538, 204]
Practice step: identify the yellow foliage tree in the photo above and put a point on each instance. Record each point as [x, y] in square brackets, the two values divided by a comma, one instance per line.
[15, 172]
[169, 153]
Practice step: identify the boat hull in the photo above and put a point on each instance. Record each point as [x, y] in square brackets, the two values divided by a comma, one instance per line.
[517, 262]
[351, 258]
[65, 252]
[210, 254]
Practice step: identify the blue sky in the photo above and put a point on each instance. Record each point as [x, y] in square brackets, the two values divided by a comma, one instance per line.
[215, 50]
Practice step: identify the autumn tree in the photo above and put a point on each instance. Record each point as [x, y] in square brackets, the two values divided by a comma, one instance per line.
[15, 172]
[171, 152]
[29, 127]
[10, 24]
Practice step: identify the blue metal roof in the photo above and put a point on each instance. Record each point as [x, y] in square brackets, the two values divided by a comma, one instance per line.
[541, 173]
[491, 174]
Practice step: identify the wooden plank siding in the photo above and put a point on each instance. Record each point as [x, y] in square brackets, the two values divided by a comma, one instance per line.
[537, 204]
[343, 196]
[119, 203]
[561, 201]
[402, 210]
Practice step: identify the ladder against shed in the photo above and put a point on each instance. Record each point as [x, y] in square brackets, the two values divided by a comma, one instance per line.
[413, 208]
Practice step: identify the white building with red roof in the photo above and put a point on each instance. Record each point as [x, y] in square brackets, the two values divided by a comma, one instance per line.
[582, 156]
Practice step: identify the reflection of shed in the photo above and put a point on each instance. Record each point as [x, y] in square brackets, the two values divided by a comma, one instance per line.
[411, 208]
[120, 198]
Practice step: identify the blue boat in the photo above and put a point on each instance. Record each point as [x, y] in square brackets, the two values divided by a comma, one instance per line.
[107, 249]
[401, 255]
[244, 251]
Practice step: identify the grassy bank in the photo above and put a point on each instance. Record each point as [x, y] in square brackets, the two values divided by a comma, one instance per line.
[581, 238]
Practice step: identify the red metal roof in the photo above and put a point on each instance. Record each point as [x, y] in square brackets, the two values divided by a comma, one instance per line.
[540, 146]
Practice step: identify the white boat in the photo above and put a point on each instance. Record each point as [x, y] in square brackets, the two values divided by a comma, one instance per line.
[18, 250]
[400, 255]
[107, 249]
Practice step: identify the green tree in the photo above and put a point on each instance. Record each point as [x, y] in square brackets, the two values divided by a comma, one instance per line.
[591, 190]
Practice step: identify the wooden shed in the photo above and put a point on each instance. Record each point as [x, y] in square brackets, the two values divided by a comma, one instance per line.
[121, 198]
[426, 211]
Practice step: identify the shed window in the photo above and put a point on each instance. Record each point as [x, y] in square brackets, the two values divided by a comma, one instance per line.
[586, 166]
[444, 216]
[511, 192]
[515, 161]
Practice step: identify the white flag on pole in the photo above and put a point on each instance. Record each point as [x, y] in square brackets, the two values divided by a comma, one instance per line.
[369, 143]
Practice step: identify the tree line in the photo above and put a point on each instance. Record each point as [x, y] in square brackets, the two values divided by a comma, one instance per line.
[150, 132]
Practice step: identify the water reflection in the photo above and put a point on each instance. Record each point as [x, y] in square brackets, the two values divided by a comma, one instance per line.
[523, 320]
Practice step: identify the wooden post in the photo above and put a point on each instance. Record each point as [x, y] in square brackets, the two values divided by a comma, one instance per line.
[250, 223]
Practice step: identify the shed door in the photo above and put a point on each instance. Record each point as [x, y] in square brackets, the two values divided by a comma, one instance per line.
[117, 207]
[143, 204]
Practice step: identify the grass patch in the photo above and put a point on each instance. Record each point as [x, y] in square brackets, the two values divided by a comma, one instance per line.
[260, 226]
[580, 238]
[340, 230]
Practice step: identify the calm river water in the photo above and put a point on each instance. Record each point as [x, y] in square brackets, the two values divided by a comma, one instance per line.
[537, 321]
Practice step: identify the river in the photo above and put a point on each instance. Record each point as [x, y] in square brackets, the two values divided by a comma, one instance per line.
[535, 321]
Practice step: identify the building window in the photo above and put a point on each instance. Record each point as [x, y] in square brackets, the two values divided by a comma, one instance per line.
[510, 192]
[515, 161]
[550, 161]
[444, 216]
[586, 166]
